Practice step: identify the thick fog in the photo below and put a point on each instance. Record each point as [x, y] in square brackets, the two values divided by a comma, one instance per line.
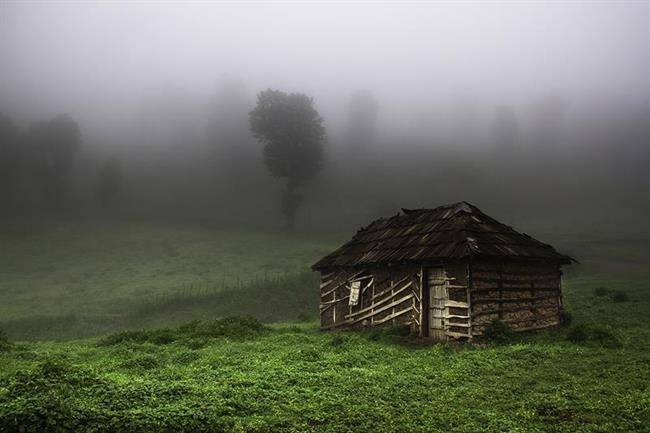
[536, 112]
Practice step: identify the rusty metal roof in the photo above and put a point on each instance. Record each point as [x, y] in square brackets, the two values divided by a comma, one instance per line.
[455, 231]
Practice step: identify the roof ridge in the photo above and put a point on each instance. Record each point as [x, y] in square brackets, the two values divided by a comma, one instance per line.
[452, 231]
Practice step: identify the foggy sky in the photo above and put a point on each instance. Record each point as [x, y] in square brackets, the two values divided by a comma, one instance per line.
[101, 62]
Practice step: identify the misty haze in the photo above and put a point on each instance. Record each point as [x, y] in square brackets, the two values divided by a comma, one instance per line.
[387, 217]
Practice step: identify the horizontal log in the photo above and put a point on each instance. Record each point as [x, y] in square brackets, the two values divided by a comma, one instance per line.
[391, 288]
[392, 316]
[456, 335]
[502, 310]
[513, 281]
[450, 303]
[377, 304]
[522, 299]
[528, 328]
[514, 289]
[329, 292]
[336, 301]
[460, 325]
[524, 273]
[384, 308]
[457, 316]
[407, 286]
[439, 281]
[341, 284]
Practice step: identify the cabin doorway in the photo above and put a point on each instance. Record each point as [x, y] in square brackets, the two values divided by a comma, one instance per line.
[438, 295]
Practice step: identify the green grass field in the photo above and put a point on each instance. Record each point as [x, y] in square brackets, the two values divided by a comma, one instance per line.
[75, 281]
[241, 376]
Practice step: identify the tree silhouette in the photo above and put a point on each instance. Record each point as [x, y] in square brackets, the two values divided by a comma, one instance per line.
[11, 162]
[53, 147]
[108, 184]
[292, 132]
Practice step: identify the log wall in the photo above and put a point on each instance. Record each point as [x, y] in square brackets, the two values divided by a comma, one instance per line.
[525, 296]
[389, 296]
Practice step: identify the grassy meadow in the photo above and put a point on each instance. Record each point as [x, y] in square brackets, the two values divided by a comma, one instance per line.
[125, 327]
[75, 280]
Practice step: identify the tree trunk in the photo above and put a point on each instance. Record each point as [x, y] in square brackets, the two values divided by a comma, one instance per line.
[290, 203]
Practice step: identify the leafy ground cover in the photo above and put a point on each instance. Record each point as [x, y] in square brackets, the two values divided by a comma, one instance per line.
[238, 374]
[243, 376]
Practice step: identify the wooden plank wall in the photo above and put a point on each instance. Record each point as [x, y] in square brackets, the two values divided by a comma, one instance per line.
[525, 296]
[458, 321]
[389, 296]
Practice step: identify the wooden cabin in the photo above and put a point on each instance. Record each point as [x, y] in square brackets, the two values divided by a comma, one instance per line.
[446, 272]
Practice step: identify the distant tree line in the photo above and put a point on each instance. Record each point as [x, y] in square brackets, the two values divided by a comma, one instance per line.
[38, 162]
[508, 156]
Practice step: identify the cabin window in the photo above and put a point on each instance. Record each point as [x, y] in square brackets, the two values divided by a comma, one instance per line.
[355, 288]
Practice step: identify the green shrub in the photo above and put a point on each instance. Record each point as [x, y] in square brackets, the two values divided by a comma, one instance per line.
[606, 337]
[236, 327]
[196, 343]
[601, 291]
[337, 340]
[162, 336]
[55, 368]
[142, 362]
[125, 336]
[565, 318]
[387, 332]
[233, 327]
[498, 331]
[602, 335]
[578, 333]
[620, 296]
[292, 329]
[374, 334]
[399, 330]
[5, 344]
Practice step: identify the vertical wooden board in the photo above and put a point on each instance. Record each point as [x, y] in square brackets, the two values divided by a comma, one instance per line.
[437, 298]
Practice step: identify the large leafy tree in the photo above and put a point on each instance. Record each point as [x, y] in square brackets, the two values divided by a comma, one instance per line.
[292, 133]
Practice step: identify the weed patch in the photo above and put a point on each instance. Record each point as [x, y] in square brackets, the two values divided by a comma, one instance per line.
[194, 334]
[566, 318]
[142, 362]
[5, 345]
[600, 335]
[498, 331]
[601, 291]
[578, 333]
[388, 333]
[620, 296]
